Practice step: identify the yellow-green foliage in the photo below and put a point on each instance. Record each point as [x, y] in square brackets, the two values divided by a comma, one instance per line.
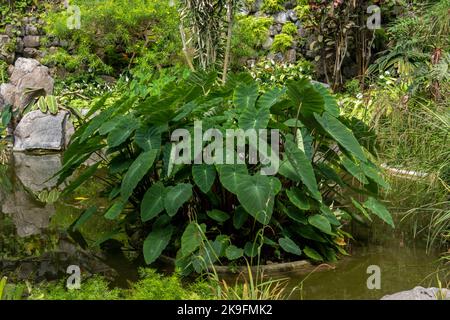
[302, 10]
[114, 31]
[272, 6]
[249, 35]
[282, 42]
[151, 286]
[3, 71]
[290, 29]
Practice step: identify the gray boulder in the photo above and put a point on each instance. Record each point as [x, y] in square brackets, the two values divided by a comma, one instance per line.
[420, 293]
[41, 131]
[268, 43]
[29, 73]
[8, 94]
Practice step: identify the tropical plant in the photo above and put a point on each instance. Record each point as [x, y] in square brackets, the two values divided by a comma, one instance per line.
[300, 211]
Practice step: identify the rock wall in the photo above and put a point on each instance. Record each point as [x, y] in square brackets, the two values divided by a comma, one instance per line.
[286, 15]
[27, 39]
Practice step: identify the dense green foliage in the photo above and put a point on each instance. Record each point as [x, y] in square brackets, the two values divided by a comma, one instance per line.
[116, 34]
[150, 286]
[211, 212]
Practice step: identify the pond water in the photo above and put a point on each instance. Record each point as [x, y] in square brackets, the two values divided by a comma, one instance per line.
[34, 243]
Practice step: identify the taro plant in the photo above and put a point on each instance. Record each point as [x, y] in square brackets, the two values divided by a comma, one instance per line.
[205, 213]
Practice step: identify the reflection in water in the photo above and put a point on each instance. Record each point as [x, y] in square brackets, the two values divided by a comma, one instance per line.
[401, 269]
[33, 250]
[32, 174]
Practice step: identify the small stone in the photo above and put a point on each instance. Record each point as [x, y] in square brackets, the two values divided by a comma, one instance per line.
[30, 53]
[278, 57]
[31, 30]
[19, 45]
[290, 56]
[281, 17]
[268, 43]
[292, 15]
[31, 41]
[273, 31]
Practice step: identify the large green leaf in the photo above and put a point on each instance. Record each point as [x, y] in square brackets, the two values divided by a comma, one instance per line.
[115, 210]
[156, 242]
[303, 167]
[245, 96]
[218, 215]
[148, 138]
[354, 169]
[311, 253]
[229, 175]
[85, 216]
[253, 118]
[379, 210]
[310, 233]
[321, 223]
[331, 105]
[176, 196]
[256, 196]
[304, 96]
[122, 131]
[371, 171]
[287, 170]
[153, 201]
[83, 177]
[289, 246]
[343, 135]
[138, 169]
[295, 214]
[233, 252]
[192, 238]
[268, 99]
[298, 198]
[251, 249]
[204, 176]
[358, 206]
[240, 217]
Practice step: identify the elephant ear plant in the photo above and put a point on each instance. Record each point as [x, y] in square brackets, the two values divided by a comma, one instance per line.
[213, 213]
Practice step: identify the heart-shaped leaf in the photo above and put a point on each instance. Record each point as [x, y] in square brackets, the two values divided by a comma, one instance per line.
[379, 210]
[138, 169]
[156, 242]
[256, 196]
[176, 196]
[229, 175]
[204, 176]
[343, 135]
[233, 252]
[321, 223]
[218, 215]
[289, 246]
[192, 238]
[153, 202]
[303, 167]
